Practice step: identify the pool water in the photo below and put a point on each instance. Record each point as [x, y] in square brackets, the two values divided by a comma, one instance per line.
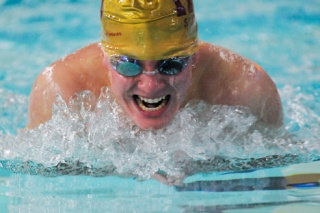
[282, 36]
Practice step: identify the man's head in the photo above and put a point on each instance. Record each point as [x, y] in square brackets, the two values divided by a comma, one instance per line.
[150, 46]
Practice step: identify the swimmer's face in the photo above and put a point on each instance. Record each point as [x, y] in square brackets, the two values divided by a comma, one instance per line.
[151, 99]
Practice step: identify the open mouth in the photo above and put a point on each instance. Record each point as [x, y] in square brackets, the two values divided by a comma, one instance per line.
[151, 104]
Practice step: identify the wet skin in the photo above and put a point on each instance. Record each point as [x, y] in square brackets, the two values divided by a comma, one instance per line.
[150, 99]
[215, 75]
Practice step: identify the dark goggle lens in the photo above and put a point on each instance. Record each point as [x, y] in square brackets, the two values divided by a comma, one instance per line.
[130, 67]
[174, 66]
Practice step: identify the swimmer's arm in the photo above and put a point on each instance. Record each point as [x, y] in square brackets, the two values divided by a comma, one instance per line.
[41, 102]
[263, 98]
[258, 92]
[227, 78]
[47, 87]
[79, 71]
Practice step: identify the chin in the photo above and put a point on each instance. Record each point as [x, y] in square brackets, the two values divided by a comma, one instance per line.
[152, 120]
[152, 125]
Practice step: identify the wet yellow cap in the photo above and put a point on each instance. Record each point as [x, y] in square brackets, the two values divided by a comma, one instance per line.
[149, 29]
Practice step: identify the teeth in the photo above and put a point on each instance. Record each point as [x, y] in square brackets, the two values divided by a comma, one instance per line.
[143, 107]
[140, 101]
[152, 101]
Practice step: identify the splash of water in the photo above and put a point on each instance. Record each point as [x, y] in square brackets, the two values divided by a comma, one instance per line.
[98, 140]
[13, 110]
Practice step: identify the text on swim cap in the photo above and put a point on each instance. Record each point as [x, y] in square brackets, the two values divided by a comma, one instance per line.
[113, 34]
[181, 10]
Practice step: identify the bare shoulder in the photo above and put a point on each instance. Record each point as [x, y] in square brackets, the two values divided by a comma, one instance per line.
[231, 79]
[78, 71]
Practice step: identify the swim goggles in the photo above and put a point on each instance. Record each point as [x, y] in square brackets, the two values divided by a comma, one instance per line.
[130, 67]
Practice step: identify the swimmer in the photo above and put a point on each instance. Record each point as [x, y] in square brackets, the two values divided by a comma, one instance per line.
[152, 61]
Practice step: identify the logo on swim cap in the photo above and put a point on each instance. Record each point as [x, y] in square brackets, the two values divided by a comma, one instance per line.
[148, 29]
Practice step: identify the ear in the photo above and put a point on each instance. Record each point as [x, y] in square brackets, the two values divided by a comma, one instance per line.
[105, 61]
[106, 65]
[195, 58]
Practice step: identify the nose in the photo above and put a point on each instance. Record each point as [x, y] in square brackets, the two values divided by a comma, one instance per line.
[150, 80]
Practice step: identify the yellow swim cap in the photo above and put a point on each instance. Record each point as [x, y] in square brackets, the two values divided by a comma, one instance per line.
[149, 29]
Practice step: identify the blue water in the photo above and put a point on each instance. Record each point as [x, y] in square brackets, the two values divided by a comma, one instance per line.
[282, 36]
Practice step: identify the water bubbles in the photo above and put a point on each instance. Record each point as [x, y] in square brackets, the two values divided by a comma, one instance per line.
[10, 105]
[89, 135]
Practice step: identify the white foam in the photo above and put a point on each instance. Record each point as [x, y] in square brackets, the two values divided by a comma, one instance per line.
[97, 140]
